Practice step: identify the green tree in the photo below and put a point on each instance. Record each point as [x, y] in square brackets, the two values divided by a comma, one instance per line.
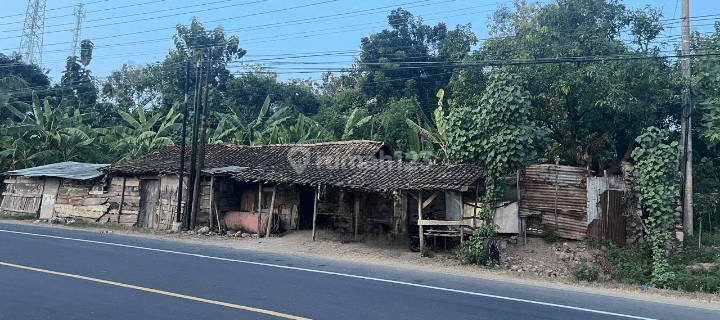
[49, 135]
[706, 88]
[77, 86]
[430, 140]
[411, 60]
[18, 80]
[140, 135]
[497, 130]
[595, 109]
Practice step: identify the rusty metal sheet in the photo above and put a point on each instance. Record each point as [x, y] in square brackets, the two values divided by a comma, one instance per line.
[558, 195]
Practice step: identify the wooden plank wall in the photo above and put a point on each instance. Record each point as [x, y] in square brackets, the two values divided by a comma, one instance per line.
[131, 201]
[75, 201]
[22, 196]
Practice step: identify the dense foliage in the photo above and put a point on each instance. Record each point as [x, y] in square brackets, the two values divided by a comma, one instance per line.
[585, 76]
[655, 175]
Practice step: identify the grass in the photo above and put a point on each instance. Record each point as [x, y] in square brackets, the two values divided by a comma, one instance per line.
[633, 266]
[18, 217]
[585, 272]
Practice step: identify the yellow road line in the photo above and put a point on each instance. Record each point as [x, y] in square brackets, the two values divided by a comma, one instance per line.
[166, 293]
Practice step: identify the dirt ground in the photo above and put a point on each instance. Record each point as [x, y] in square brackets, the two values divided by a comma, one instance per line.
[531, 261]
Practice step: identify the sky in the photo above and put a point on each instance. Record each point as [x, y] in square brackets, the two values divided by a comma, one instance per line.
[296, 39]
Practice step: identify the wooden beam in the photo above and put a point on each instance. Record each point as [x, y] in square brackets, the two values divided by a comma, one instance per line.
[413, 195]
[432, 197]
[315, 199]
[440, 223]
[272, 205]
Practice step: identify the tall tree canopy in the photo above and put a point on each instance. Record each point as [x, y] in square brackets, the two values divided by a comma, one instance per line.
[411, 60]
[596, 104]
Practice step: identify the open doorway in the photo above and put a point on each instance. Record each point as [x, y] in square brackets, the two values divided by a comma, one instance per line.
[307, 203]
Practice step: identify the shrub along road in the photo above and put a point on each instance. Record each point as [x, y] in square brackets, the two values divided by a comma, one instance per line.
[61, 274]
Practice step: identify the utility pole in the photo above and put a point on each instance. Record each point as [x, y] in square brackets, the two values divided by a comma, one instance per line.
[31, 43]
[201, 147]
[79, 16]
[686, 123]
[182, 144]
[193, 140]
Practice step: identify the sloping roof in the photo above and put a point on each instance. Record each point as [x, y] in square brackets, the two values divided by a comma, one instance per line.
[68, 170]
[167, 159]
[373, 175]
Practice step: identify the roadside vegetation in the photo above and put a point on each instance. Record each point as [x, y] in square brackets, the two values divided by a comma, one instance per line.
[603, 93]
[695, 268]
[17, 217]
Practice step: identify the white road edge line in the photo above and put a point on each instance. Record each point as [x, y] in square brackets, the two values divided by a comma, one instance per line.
[336, 274]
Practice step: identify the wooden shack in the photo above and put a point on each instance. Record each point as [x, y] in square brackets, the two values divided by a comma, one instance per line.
[351, 187]
[157, 175]
[65, 190]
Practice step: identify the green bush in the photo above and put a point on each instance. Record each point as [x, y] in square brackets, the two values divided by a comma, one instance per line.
[585, 272]
[553, 237]
[700, 279]
[473, 251]
[630, 265]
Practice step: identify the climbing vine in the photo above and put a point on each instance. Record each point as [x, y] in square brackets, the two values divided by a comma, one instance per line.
[495, 130]
[655, 174]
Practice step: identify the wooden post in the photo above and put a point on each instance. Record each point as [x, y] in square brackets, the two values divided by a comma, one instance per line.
[357, 211]
[122, 199]
[421, 233]
[259, 208]
[272, 204]
[315, 212]
[212, 192]
[475, 207]
[217, 215]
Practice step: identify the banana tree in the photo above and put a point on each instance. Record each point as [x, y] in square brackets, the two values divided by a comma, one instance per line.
[233, 129]
[47, 135]
[142, 135]
[354, 122]
[428, 139]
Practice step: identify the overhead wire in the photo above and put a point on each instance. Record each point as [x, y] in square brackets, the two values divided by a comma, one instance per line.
[167, 50]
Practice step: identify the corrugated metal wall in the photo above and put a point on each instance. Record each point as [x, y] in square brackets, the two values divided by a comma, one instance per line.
[558, 194]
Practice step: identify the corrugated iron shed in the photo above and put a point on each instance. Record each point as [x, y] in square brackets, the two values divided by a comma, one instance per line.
[558, 194]
[67, 170]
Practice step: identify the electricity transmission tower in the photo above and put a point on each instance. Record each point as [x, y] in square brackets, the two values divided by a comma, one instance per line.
[31, 43]
[79, 16]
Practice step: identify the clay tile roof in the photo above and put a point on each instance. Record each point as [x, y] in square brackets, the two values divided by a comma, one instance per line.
[167, 159]
[373, 175]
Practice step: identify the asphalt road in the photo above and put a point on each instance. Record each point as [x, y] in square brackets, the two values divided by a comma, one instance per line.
[52, 273]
